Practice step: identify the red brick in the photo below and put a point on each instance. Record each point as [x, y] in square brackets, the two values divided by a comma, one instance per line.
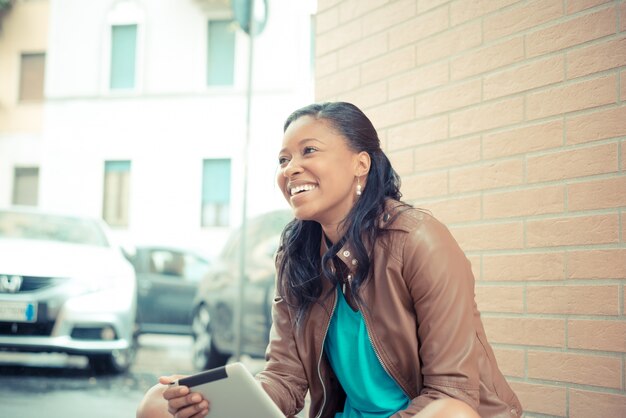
[597, 194]
[572, 97]
[622, 17]
[389, 16]
[388, 65]
[475, 264]
[525, 139]
[487, 58]
[574, 6]
[352, 9]
[487, 116]
[418, 79]
[462, 11]
[425, 185]
[606, 123]
[622, 81]
[367, 96]
[418, 132]
[326, 20]
[581, 230]
[326, 4]
[425, 5]
[597, 335]
[339, 82]
[361, 51]
[596, 58]
[447, 154]
[521, 17]
[623, 231]
[623, 155]
[572, 32]
[569, 299]
[527, 331]
[573, 163]
[450, 42]
[575, 368]
[508, 299]
[392, 113]
[418, 28]
[448, 98]
[543, 399]
[528, 76]
[326, 65]
[455, 210]
[489, 236]
[487, 176]
[337, 38]
[402, 161]
[597, 264]
[583, 404]
[524, 266]
[511, 362]
[524, 202]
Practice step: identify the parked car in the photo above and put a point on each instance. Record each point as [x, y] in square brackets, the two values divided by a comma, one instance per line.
[65, 286]
[214, 307]
[167, 280]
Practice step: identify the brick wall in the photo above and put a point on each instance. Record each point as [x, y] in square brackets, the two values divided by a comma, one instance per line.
[507, 119]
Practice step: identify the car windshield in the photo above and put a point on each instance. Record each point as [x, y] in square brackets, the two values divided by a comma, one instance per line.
[37, 226]
[258, 229]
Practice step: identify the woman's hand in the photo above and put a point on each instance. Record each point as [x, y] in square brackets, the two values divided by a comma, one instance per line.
[181, 402]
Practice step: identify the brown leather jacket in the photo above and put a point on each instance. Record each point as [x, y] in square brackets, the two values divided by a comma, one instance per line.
[422, 320]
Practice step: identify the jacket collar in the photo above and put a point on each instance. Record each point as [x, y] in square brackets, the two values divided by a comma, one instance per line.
[385, 221]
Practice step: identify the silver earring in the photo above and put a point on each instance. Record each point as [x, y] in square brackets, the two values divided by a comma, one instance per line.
[358, 187]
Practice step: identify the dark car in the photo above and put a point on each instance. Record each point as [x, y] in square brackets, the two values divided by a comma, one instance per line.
[214, 306]
[167, 281]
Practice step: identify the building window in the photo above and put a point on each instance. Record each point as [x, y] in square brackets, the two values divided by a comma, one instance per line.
[26, 186]
[116, 198]
[216, 192]
[32, 69]
[123, 56]
[221, 53]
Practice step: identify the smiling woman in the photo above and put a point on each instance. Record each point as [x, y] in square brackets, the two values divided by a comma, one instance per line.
[374, 313]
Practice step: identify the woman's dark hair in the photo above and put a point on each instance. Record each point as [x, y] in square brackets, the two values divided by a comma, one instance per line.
[299, 263]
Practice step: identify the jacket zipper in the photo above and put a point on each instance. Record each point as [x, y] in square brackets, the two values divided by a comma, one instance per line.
[380, 360]
[319, 361]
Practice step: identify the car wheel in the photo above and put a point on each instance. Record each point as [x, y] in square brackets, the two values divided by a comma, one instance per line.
[205, 354]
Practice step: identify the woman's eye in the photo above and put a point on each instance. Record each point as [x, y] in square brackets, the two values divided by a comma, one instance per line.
[282, 160]
[309, 150]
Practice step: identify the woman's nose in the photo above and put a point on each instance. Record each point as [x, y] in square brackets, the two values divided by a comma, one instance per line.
[293, 167]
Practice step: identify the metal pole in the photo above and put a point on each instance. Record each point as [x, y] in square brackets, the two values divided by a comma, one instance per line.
[238, 317]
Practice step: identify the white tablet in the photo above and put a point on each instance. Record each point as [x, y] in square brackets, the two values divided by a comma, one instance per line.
[233, 393]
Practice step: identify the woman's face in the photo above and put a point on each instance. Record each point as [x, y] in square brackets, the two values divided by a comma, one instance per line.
[318, 172]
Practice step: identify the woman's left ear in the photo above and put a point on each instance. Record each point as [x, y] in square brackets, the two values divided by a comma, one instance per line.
[364, 162]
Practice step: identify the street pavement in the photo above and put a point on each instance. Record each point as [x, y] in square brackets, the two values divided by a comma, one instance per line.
[61, 386]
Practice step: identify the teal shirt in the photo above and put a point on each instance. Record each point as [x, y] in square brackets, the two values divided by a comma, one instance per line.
[371, 392]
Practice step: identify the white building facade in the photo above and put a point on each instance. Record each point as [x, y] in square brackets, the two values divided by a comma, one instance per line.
[144, 116]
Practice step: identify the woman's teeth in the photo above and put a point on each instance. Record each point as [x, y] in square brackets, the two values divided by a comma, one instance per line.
[303, 188]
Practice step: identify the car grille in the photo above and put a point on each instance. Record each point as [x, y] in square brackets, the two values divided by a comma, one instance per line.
[33, 283]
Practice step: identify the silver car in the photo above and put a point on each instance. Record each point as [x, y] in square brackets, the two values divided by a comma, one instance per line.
[65, 287]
